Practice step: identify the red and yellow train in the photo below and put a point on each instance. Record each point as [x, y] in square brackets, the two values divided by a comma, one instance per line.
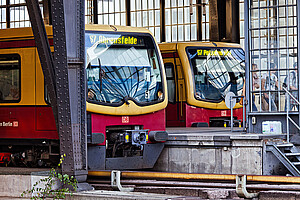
[199, 75]
[125, 103]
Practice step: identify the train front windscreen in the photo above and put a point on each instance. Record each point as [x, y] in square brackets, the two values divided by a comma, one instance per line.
[122, 67]
[217, 71]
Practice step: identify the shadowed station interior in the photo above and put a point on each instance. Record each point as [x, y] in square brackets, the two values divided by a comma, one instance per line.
[163, 88]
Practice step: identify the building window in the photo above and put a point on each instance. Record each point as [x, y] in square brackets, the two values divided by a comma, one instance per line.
[111, 12]
[242, 20]
[181, 17]
[205, 21]
[89, 12]
[9, 78]
[181, 20]
[145, 13]
[273, 55]
[170, 75]
[14, 14]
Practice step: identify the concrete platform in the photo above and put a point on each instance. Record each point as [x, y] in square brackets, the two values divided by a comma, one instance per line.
[109, 195]
[14, 180]
[189, 150]
[23, 171]
[215, 150]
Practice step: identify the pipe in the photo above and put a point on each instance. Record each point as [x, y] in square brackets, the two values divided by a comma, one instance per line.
[165, 175]
[189, 176]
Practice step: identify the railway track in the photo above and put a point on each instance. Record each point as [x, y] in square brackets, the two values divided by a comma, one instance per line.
[210, 186]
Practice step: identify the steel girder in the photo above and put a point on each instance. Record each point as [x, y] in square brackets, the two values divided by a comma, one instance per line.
[65, 77]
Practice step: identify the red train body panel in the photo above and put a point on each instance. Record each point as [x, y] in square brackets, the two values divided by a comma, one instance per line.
[153, 122]
[192, 115]
[28, 122]
[195, 114]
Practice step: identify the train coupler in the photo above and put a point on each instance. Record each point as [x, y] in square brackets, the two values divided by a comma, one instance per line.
[136, 137]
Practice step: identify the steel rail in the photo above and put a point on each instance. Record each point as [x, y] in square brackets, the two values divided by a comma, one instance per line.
[190, 176]
[101, 183]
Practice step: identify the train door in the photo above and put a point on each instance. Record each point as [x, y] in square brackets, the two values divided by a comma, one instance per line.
[175, 111]
[181, 94]
[16, 91]
[171, 110]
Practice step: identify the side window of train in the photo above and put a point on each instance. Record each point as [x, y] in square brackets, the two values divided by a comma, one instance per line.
[10, 88]
[170, 82]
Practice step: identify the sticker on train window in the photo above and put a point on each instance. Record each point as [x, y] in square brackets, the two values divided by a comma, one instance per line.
[147, 94]
[147, 76]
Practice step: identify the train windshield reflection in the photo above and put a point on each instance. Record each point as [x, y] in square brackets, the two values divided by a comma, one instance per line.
[122, 67]
[217, 71]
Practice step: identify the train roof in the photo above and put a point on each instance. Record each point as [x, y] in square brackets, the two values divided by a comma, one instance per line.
[26, 32]
[109, 28]
[174, 46]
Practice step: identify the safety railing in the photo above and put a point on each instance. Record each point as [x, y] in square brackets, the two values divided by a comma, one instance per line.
[288, 118]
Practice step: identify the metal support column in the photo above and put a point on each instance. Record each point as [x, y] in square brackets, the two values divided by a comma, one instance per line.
[128, 18]
[233, 29]
[95, 12]
[62, 86]
[247, 59]
[65, 78]
[162, 21]
[7, 10]
[69, 58]
[199, 8]
[46, 12]
[214, 34]
[224, 20]
[298, 55]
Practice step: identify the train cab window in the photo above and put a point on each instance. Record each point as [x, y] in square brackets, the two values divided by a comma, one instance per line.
[10, 78]
[170, 81]
[217, 71]
[122, 67]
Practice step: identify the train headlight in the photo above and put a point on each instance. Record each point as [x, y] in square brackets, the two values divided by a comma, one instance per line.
[135, 137]
[143, 137]
[160, 95]
[126, 137]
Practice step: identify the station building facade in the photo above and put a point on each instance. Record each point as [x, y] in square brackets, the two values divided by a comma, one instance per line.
[268, 33]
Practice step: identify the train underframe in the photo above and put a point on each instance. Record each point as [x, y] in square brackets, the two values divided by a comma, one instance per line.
[29, 153]
[125, 147]
[125, 142]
